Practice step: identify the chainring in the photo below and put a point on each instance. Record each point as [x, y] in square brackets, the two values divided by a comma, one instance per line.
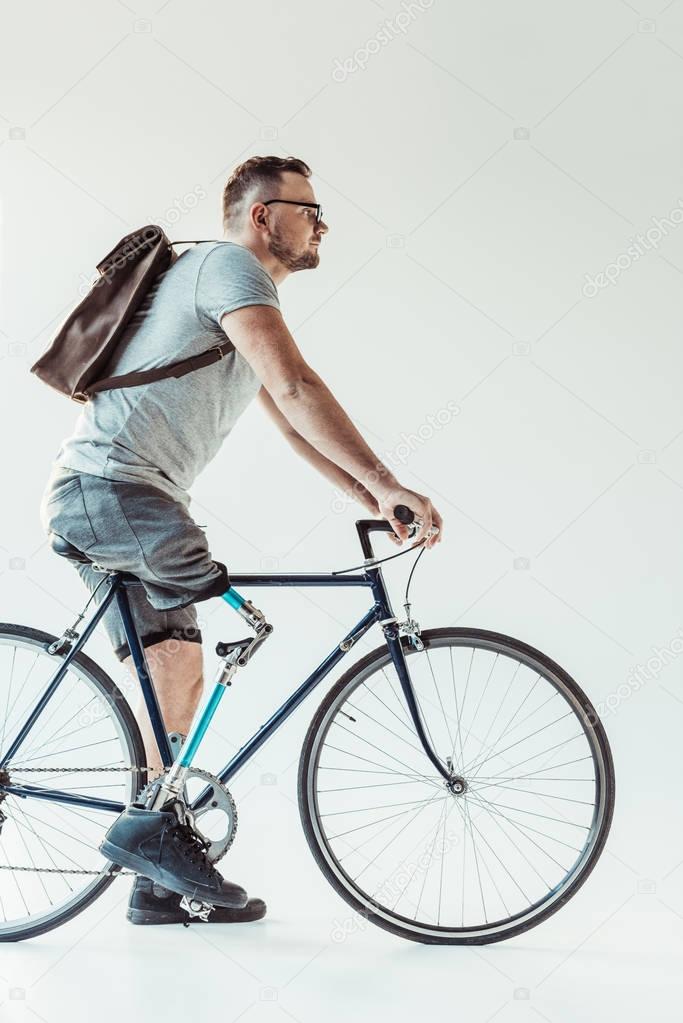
[219, 836]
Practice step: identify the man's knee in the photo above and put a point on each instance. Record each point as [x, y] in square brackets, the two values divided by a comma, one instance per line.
[189, 634]
[176, 656]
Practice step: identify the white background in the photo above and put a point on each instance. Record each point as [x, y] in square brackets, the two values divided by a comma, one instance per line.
[473, 171]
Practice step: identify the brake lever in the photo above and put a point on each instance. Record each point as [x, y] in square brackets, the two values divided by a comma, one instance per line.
[414, 528]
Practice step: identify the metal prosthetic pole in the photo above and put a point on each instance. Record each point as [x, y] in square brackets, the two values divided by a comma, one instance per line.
[233, 655]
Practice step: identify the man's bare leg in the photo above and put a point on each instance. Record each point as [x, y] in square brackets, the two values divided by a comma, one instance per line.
[176, 667]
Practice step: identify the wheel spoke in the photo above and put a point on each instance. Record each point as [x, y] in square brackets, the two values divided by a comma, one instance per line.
[508, 726]
[356, 756]
[50, 864]
[493, 809]
[462, 708]
[471, 857]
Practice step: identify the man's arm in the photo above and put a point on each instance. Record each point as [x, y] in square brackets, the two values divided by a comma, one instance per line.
[342, 480]
[260, 335]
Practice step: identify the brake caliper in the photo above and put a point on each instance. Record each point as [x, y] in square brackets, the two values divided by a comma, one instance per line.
[411, 628]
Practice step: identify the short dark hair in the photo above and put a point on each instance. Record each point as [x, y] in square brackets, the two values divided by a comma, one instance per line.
[264, 171]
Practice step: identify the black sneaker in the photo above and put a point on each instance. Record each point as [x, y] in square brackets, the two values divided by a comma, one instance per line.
[157, 845]
[150, 903]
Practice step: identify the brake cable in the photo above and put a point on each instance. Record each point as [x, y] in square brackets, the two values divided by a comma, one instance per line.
[406, 604]
[378, 561]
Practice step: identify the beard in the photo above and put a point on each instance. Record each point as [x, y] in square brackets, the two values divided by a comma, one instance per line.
[291, 257]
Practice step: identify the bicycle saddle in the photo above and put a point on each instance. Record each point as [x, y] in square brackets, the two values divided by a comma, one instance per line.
[67, 550]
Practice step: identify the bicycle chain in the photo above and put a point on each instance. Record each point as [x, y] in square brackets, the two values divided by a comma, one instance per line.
[56, 870]
[74, 770]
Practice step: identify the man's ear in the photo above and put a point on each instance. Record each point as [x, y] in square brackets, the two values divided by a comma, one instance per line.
[261, 216]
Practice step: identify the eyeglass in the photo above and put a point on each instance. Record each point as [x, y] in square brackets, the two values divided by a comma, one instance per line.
[292, 202]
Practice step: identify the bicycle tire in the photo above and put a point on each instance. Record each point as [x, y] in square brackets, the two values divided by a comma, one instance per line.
[129, 726]
[320, 723]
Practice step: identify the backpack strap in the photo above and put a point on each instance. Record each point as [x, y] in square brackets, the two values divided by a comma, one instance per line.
[175, 369]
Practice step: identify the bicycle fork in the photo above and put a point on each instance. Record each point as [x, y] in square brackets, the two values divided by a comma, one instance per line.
[392, 633]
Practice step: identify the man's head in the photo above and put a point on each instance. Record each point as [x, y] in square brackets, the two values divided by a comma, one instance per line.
[255, 214]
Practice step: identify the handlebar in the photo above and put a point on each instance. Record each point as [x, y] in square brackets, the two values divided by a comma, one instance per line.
[365, 526]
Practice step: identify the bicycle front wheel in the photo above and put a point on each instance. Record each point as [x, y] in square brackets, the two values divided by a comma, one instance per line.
[85, 746]
[535, 780]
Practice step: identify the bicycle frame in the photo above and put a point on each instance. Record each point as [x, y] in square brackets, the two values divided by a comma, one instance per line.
[380, 612]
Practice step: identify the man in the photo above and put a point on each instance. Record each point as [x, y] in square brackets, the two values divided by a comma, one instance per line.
[119, 486]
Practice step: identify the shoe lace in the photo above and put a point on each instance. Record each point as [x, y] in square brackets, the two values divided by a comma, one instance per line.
[195, 847]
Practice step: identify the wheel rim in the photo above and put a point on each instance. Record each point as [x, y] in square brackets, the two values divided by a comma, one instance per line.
[78, 728]
[492, 685]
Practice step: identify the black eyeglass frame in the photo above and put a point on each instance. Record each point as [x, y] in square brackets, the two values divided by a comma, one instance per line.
[292, 202]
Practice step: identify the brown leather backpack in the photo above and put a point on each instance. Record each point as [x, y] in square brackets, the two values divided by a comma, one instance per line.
[88, 338]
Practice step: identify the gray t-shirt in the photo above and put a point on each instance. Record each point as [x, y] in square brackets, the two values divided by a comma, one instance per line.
[164, 433]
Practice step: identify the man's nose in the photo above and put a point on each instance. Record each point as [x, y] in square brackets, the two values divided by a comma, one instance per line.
[321, 228]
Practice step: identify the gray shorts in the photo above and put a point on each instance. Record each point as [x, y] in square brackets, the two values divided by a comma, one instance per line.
[133, 527]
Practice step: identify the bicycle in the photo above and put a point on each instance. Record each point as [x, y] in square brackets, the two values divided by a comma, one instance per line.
[451, 856]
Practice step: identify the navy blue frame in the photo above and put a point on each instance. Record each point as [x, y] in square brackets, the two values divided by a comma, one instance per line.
[118, 584]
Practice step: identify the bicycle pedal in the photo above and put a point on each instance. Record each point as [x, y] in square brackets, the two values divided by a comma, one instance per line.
[196, 908]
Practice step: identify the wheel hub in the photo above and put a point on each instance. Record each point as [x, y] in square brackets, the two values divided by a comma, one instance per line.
[457, 785]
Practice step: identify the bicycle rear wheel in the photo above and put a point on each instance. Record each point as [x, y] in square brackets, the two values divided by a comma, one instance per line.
[468, 867]
[85, 743]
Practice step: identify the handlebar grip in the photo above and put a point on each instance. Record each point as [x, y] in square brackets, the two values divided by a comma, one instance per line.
[404, 514]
